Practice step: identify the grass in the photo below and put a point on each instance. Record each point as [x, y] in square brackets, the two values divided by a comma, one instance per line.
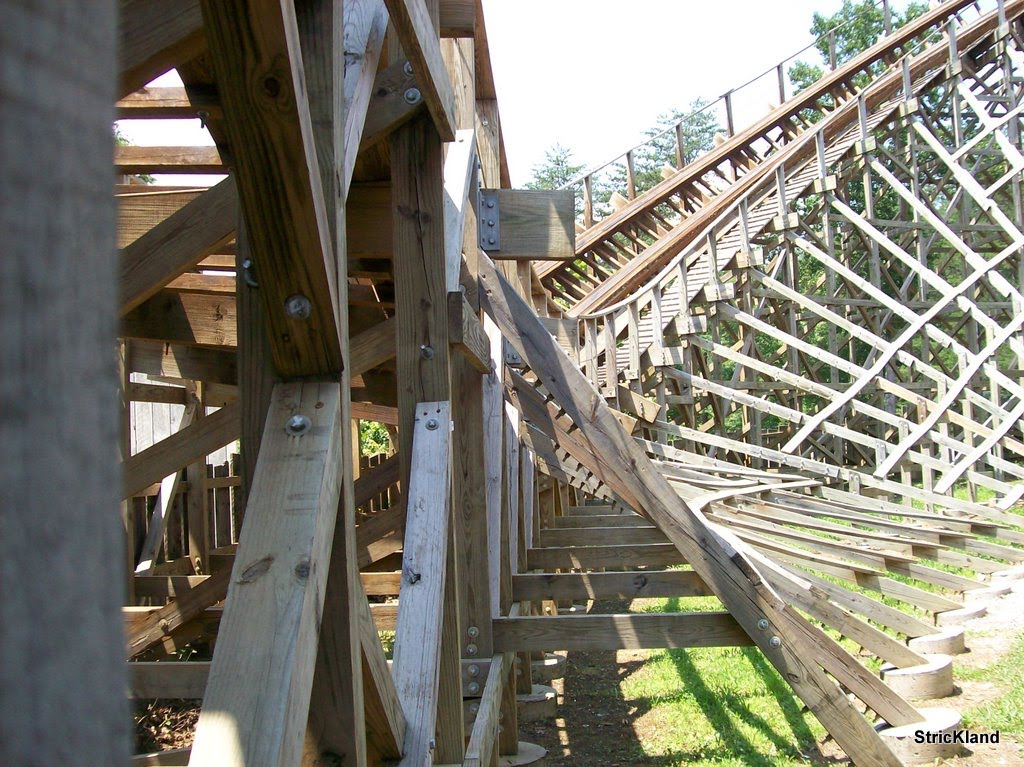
[721, 707]
[1005, 713]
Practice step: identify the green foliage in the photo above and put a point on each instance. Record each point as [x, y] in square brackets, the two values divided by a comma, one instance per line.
[556, 170]
[373, 438]
[121, 140]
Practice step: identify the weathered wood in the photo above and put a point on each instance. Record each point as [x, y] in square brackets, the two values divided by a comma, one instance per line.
[167, 159]
[416, 32]
[144, 632]
[255, 50]
[177, 243]
[385, 720]
[534, 225]
[608, 585]
[192, 319]
[418, 633]
[257, 698]
[466, 333]
[155, 36]
[181, 448]
[177, 361]
[483, 737]
[373, 347]
[618, 632]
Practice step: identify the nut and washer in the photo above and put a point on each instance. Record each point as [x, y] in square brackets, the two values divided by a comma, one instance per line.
[298, 425]
[298, 307]
[413, 96]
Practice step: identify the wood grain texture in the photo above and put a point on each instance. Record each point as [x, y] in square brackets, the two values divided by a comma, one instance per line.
[535, 225]
[257, 698]
[155, 36]
[192, 319]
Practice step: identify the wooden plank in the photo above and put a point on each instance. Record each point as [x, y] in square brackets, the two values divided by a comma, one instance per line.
[188, 362]
[457, 18]
[373, 347]
[256, 55]
[146, 631]
[388, 108]
[257, 698]
[535, 224]
[420, 42]
[177, 243]
[149, 680]
[181, 448]
[608, 585]
[164, 103]
[596, 536]
[385, 720]
[192, 319]
[167, 159]
[366, 23]
[591, 557]
[417, 651]
[155, 36]
[466, 333]
[618, 632]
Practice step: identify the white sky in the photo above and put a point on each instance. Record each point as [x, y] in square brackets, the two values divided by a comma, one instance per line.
[593, 75]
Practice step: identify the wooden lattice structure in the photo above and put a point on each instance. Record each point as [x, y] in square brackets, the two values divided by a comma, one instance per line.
[761, 380]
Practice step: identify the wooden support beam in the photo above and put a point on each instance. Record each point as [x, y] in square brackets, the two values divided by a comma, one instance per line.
[258, 695]
[155, 36]
[483, 737]
[256, 55]
[181, 448]
[534, 224]
[192, 319]
[385, 720]
[610, 585]
[617, 632]
[167, 159]
[177, 243]
[178, 361]
[420, 42]
[418, 633]
[388, 108]
[466, 333]
[373, 347]
[168, 103]
[144, 632]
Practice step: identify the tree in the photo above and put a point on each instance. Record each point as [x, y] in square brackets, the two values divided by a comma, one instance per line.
[857, 26]
[556, 170]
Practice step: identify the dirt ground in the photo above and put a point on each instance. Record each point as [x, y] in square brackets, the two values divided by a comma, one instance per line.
[596, 726]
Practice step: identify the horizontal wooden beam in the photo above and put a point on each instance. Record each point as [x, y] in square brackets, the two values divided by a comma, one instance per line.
[167, 159]
[372, 347]
[534, 225]
[466, 332]
[534, 587]
[168, 103]
[218, 366]
[617, 632]
[191, 319]
[149, 629]
[589, 557]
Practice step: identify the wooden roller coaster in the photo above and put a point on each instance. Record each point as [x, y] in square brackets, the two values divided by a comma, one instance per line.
[761, 380]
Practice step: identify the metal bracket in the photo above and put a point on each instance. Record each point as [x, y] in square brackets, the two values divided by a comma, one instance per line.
[512, 358]
[488, 220]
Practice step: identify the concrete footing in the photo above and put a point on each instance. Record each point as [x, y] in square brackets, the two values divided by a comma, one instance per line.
[540, 703]
[551, 668]
[956, 617]
[529, 754]
[933, 679]
[903, 741]
[948, 641]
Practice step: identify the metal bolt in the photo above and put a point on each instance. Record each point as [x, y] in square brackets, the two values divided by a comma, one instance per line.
[775, 642]
[432, 744]
[471, 649]
[431, 424]
[473, 631]
[298, 307]
[490, 222]
[473, 687]
[249, 273]
[298, 425]
[413, 96]
[490, 240]
[490, 203]
[473, 670]
[762, 624]
[426, 352]
[474, 707]
[407, 68]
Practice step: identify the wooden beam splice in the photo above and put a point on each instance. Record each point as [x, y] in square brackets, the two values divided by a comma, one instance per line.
[180, 449]
[466, 332]
[256, 55]
[257, 698]
[712, 554]
[177, 243]
[423, 48]
[417, 653]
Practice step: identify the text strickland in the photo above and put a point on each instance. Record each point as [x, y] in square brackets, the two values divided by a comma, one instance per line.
[966, 737]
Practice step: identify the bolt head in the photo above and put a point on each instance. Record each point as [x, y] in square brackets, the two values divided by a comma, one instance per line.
[473, 670]
[762, 624]
[473, 631]
[413, 96]
[432, 424]
[426, 352]
[490, 203]
[775, 642]
[407, 68]
[298, 425]
[473, 687]
[490, 240]
[298, 307]
[471, 649]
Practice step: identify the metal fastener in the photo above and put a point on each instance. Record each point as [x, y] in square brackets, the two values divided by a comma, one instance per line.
[490, 203]
[426, 352]
[473, 687]
[490, 240]
[249, 273]
[431, 424]
[775, 642]
[413, 96]
[471, 649]
[407, 68]
[473, 670]
[762, 624]
[473, 631]
[298, 425]
[298, 307]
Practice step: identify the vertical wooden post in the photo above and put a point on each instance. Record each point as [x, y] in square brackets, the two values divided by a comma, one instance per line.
[61, 690]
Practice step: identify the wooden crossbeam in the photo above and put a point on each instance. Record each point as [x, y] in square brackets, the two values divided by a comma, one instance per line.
[167, 159]
[257, 697]
[535, 587]
[618, 632]
[193, 319]
[418, 633]
[177, 243]
[169, 360]
[147, 631]
[180, 449]
[420, 42]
